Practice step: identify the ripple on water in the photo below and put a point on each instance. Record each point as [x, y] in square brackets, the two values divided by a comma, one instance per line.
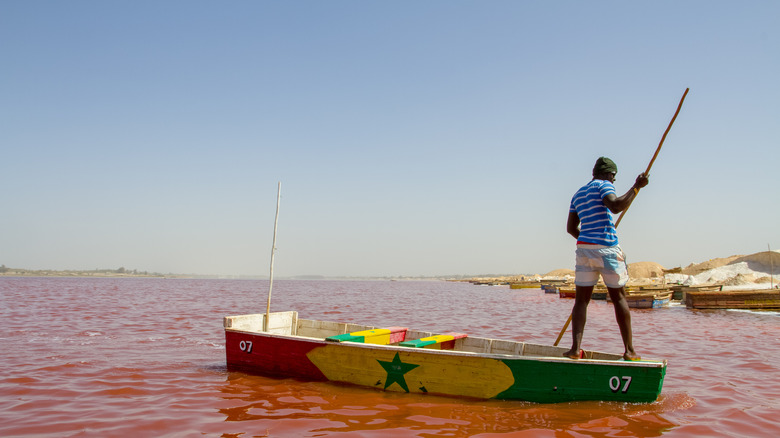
[145, 357]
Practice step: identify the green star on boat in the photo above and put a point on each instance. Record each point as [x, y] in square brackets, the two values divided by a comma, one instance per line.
[396, 370]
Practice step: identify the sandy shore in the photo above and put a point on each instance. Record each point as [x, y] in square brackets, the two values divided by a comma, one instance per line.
[760, 270]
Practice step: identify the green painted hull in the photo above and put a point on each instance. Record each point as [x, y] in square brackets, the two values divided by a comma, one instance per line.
[550, 382]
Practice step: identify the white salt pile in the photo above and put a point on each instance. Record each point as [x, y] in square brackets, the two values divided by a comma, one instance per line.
[756, 271]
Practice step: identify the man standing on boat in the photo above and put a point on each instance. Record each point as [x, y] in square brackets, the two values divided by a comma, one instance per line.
[598, 252]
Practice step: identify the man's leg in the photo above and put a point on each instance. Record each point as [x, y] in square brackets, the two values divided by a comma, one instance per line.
[623, 317]
[579, 315]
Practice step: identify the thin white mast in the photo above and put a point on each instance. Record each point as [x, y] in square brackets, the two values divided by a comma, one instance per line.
[772, 268]
[273, 251]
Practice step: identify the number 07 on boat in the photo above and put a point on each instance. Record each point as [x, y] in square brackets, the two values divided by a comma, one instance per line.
[450, 364]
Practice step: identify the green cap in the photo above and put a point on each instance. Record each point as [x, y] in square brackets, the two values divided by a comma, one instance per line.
[604, 165]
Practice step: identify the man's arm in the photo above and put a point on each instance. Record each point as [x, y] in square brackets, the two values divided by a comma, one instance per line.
[573, 224]
[617, 204]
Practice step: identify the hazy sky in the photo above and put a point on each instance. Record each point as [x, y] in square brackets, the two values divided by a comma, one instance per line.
[411, 138]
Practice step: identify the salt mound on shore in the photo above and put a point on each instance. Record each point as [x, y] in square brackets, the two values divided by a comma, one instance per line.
[559, 273]
[698, 268]
[761, 268]
[741, 279]
[734, 271]
[642, 270]
[761, 261]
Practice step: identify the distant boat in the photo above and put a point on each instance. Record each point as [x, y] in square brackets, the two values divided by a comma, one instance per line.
[649, 300]
[734, 299]
[652, 288]
[526, 285]
[488, 282]
[452, 364]
[598, 293]
[680, 291]
[567, 292]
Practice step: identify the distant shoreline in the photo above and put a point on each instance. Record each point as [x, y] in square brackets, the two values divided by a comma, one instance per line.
[134, 273]
[759, 268]
[108, 273]
[121, 272]
[99, 273]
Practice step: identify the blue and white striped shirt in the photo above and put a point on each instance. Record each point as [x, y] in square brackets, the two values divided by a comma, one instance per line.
[596, 225]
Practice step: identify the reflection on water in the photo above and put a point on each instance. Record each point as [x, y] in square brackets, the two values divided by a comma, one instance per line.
[145, 357]
[284, 406]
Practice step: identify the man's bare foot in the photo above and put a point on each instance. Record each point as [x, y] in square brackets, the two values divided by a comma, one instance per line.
[573, 354]
[631, 356]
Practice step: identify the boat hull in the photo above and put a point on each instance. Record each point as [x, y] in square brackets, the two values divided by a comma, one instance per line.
[444, 372]
[768, 299]
[567, 293]
[679, 291]
[648, 303]
[525, 285]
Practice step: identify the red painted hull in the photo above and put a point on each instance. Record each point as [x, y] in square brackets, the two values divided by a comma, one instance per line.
[271, 355]
[567, 293]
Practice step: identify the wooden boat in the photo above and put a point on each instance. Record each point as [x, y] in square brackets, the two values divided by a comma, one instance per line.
[653, 288]
[453, 364]
[680, 291]
[550, 288]
[598, 293]
[649, 300]
[734, 299]
[567, 293]
[488, 283]
[526, 285]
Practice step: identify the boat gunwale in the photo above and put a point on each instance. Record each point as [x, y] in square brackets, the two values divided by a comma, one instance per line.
[645, 363]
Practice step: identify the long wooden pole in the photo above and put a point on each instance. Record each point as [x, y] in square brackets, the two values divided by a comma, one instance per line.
[647, 172]
[657, 150]
[563, 330]
[273, 251]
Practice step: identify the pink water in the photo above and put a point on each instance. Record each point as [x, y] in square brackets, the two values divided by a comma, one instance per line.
[145, 357]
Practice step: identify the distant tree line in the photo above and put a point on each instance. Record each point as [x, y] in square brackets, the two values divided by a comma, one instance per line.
[119, 271]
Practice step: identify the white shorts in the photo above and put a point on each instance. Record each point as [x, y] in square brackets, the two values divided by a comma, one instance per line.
[595, 260]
